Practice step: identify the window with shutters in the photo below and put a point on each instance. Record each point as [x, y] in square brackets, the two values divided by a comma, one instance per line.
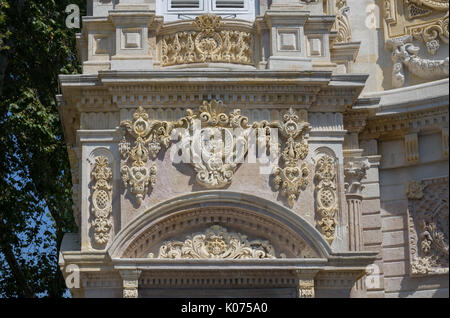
[174, 10]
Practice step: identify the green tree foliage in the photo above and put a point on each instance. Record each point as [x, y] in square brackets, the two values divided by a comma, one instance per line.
[35, 179]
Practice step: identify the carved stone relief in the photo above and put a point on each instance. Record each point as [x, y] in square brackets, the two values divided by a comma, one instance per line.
[404, 53]
[290, 177]
[342, 24]
[428, 226]
[209, 43]
[326, 195]
[216, 242]
[150, 136]
[425, 20]
[101, 200]
[216, 156]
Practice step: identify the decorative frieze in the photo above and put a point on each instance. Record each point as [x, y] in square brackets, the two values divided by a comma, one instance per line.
[326, 196]
[101, 200]
[211, 42]
[216, 242]
[428, 225]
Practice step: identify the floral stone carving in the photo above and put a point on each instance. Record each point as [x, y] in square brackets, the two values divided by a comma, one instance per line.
[209, 43]
[150, 136]
[101, 200]
[291, 178]
[216, 242]
[326, 196]
[428, 226]
[342, 23]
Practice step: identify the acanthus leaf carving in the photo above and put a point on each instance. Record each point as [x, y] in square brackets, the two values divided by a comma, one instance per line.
[326, 196]
[216, 242]
[101, 200]
[342, 24]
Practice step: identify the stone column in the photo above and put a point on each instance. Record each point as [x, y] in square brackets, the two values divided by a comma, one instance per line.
[130, 278]
[305, 284]
[355, 169]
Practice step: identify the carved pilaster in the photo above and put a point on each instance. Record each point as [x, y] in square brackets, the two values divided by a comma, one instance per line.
[355, 170]
[130, 283]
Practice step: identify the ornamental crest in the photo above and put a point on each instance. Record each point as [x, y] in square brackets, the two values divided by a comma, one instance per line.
[216, 242]
[215, 143]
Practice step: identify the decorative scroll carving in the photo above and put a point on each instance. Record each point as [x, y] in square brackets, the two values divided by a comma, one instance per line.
[428, 226]
[215, 158]
[326, 196]
[405, 53]
[149, 136]
[101, 200]
[209, 43]
[216, 242]
[342, 24]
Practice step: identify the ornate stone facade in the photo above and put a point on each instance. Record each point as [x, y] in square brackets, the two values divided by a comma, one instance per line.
[299, 148]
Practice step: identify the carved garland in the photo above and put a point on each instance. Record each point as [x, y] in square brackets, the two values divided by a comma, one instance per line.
[209, 44]
[216, 242]
[326, 196]
[428, 226]
[101, 199]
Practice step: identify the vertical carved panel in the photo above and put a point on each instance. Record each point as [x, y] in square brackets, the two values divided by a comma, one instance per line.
[326, 196]
[445, 142]
[412, 148]
[101, 200]
[428, 226]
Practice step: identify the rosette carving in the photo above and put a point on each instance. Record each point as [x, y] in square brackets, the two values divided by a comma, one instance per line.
[101, 200]
[326, 196]
[216, 242]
